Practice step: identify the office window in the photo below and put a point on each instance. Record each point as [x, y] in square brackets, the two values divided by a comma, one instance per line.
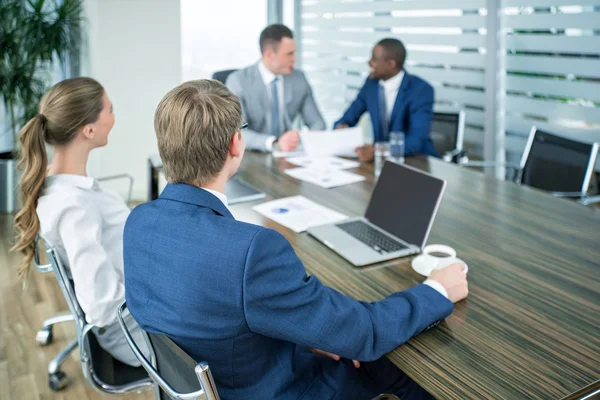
[445, 42]
[218, 35]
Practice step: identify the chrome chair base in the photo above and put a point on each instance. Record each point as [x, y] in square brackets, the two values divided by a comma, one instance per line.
[44, 335]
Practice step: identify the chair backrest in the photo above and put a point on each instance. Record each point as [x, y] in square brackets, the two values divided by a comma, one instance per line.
[67, 287]
[177, 374]
[221, 76]
[557, 164]
[101, 370]
[447, 132]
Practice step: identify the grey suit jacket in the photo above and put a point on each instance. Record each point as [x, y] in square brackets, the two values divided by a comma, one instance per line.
[248, 85]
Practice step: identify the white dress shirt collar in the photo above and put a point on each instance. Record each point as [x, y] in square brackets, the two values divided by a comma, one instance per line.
[393, 83]
[84, 182]
[391, 87]
[218, 195]
[266, 74]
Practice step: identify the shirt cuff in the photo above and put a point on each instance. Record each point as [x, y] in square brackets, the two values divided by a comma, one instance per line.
[269, 143]
[437, 286]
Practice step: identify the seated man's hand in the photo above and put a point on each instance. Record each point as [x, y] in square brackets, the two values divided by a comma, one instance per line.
[366, 152]
[288, 141]
[341, 126]
[334, 356]
[454, 280]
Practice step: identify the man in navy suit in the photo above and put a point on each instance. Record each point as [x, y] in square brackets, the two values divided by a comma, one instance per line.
[236, 295]
[396, 101]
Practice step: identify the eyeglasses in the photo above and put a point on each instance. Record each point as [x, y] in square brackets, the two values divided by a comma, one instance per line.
[244, 125]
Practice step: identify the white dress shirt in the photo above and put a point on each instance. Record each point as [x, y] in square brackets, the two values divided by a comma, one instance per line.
[218, 195]
[391, 88]
[85, 225]
[268, 77]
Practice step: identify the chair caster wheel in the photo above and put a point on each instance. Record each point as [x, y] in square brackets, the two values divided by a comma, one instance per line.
[44, 336]
[57, 381]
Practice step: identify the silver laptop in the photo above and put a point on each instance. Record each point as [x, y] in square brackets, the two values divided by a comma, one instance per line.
[397, 222]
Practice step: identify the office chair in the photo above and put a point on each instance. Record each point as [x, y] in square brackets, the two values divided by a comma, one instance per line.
[101, 371]
[447, 133]
[558, 165]
[175, 372]
[221, 76]
[44, 336]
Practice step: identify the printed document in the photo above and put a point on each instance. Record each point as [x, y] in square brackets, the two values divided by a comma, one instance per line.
[298, 213]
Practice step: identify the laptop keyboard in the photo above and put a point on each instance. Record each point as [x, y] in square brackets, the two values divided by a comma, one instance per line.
[371, 236]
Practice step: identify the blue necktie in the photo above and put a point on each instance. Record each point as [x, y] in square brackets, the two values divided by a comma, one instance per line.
[383, 124]
[275, 121]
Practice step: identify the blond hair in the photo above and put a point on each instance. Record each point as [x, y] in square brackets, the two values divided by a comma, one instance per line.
[194, 125]
[66, 107]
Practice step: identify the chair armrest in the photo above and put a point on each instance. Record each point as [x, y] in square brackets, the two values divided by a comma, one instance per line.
[42, 268]
[453, 155]
[568, 194]
[490, 164]
[120, 176]
[586, 201]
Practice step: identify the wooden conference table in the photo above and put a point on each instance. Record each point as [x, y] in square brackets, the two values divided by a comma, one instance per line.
[530, 328]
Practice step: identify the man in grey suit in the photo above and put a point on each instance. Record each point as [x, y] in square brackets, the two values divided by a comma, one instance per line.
[273, 94]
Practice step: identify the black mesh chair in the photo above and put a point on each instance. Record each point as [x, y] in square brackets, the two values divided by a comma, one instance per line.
[221, 76]
[101, 371]
[447, 132]
[558, 165]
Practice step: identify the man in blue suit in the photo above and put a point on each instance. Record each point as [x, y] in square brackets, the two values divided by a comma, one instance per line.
[395, 100]
[236, 295]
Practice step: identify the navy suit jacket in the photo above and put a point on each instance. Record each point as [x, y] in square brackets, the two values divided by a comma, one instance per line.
[412, 113]
[236, 296]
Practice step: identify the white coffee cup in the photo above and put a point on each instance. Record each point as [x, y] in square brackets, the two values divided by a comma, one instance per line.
[438, 256]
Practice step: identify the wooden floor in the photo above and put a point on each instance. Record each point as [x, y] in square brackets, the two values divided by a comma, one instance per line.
[23, 363]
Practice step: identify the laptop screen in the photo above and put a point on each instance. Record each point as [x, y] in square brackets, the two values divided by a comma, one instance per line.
[404, 202]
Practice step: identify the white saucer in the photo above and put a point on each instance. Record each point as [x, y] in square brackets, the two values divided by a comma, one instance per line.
[420, 267]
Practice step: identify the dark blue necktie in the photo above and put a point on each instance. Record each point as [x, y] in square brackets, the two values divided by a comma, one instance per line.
[275, 121]
[383, 123]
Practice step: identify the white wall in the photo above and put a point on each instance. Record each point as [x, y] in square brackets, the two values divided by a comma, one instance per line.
[134, 50]
[218, 35]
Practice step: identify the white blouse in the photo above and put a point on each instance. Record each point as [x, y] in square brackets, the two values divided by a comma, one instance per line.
[85, 224]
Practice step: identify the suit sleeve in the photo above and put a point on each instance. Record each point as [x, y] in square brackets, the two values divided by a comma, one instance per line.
[356, 109]
[310, 112]
[254, 140]
[419, 124]
[281, 301]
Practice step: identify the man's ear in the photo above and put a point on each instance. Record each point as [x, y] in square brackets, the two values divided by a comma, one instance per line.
[235, 146]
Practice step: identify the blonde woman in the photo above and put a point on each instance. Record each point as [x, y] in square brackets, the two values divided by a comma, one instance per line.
[68, 208]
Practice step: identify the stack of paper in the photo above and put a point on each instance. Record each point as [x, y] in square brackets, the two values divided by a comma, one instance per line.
[323, 162]
[298, 213]
[327, 178]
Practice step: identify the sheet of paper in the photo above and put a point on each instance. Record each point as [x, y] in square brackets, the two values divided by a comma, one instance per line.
[286, 154]
[324, 178]
[298, 213]
[323, 162]
[340, 142]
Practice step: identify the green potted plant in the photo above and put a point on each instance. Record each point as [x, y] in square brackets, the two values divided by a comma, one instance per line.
[37, 39]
